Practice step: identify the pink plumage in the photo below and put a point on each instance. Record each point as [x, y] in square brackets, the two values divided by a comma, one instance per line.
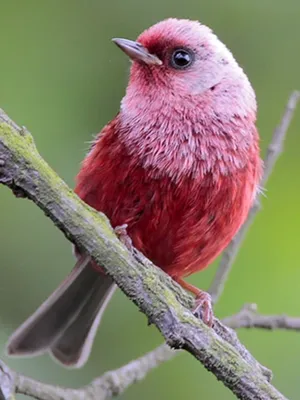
[179, 165]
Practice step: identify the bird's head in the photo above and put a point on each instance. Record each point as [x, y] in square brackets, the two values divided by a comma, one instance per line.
[179, 58]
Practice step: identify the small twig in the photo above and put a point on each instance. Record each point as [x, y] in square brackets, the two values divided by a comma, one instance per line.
[273, 152]
[109, 385]
[248, 317]
[7, 382]
[114, 383]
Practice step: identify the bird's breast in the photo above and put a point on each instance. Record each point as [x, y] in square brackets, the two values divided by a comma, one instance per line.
[180, 224]
[186, 138]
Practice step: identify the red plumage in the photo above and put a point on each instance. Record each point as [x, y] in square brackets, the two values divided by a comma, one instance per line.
[181, 224]
[179, 165]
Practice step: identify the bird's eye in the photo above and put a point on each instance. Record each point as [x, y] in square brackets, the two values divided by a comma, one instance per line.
[181, 58]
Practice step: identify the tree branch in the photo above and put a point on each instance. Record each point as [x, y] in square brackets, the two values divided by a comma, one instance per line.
[273, 152]
[161, 299]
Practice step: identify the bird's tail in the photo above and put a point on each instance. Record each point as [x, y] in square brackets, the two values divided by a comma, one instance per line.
[66, 323]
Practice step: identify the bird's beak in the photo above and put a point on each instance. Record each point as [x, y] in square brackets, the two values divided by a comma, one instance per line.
[137, 51]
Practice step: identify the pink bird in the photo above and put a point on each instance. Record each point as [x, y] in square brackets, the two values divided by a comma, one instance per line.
[179, 166]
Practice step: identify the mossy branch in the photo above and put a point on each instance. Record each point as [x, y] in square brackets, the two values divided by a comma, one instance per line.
[163, 301]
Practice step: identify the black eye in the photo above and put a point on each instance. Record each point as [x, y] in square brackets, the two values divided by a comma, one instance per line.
[181, 58]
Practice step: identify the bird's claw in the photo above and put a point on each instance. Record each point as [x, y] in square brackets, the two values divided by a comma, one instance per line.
[121, 232]
[203, 308]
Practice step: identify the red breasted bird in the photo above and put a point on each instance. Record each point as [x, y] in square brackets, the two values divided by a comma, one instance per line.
[179, 165]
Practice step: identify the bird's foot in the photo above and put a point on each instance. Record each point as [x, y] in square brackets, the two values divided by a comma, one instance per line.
[203, 308]
[203, 305]
[121, 232]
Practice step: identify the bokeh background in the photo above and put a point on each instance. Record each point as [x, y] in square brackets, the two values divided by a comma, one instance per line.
[61, 77]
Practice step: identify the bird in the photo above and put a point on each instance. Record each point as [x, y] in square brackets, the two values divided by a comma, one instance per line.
[176, 171]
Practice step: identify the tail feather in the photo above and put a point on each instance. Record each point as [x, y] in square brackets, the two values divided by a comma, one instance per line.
[73, 347]
[66, 323]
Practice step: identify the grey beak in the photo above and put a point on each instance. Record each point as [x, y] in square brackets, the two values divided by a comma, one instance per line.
[136, 51]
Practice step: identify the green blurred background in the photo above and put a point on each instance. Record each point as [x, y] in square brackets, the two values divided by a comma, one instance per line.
[61, 77]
